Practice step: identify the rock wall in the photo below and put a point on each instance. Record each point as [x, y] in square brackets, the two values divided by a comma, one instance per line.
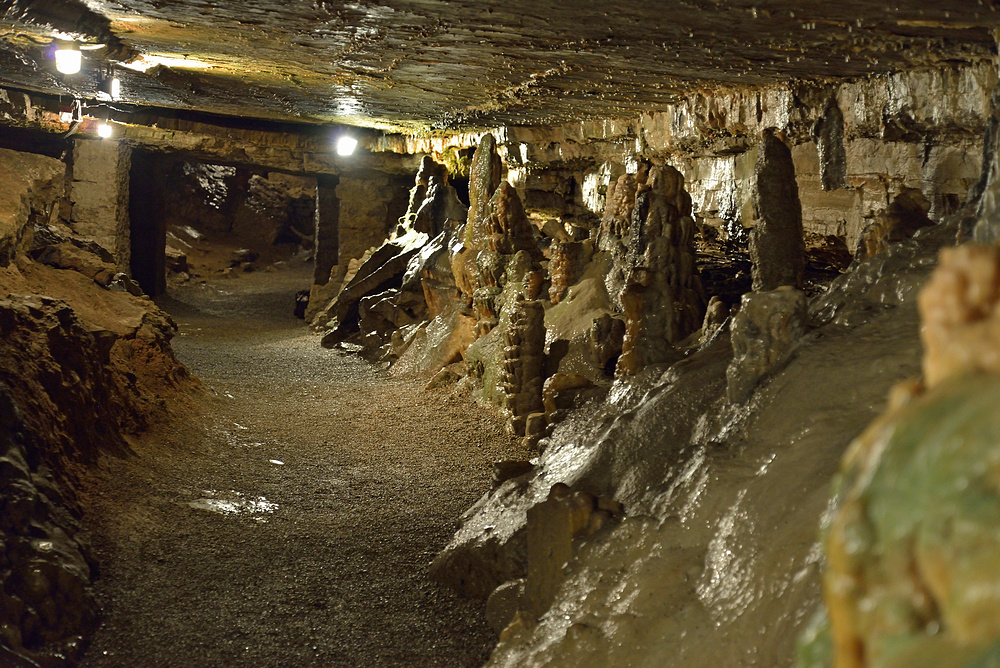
[370, 208]
[85, 362]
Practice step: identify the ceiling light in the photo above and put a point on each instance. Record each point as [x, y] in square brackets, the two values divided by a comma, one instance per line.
[346, 145]
[68, 59]
[111, 86]
[103, 130]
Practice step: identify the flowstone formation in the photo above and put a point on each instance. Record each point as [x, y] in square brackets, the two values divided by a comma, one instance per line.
[911, 548]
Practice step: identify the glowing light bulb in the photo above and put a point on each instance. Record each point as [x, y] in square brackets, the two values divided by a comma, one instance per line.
[103, 130]
[65, 116]
[68, 60]
[346, 145]
[116, 89]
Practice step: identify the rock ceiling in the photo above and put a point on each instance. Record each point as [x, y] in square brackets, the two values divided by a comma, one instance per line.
[416, 65]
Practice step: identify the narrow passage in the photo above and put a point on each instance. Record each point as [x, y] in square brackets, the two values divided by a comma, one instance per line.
[290, 519]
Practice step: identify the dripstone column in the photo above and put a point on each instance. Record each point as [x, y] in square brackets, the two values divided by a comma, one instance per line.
[777, 249]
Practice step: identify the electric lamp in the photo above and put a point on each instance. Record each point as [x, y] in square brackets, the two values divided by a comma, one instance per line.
[68, 59]
[346, 145]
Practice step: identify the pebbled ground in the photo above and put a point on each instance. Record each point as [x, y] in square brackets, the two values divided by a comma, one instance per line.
[289, 517]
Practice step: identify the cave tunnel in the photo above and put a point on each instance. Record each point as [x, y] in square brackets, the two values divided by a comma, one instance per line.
[503, 334]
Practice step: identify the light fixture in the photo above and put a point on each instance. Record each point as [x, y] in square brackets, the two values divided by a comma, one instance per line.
[110, 85]
[68, 58]
[346, 145]
[65, 116]
[104, 131]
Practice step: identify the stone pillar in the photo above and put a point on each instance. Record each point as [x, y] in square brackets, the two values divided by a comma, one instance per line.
[327, 229]
[99, 192]
[523, 362]
[662, 299]
[777, 248]
[484, 178]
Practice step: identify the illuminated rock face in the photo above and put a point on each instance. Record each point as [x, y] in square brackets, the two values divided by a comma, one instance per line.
[662, 299]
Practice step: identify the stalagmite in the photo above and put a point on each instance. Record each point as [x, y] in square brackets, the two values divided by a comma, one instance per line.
[523, 364]
[776, 243]
[662, 299]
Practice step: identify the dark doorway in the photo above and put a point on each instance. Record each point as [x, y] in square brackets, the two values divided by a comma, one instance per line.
[148, 225]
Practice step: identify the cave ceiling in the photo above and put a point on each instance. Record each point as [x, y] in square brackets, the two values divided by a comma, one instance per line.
[418, 65]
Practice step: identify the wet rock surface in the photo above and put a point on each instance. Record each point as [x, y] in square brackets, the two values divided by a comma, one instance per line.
[764, 333]
[47, 605]
[418, 65]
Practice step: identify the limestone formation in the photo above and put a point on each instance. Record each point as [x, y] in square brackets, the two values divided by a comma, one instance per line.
[552, 526]
[777, 248]
[429, 171]
[984, 225]
[618, 210]
[829, 135]
[566, 265]
[716, 315]
[764, 332]
[662, 299]
[506, 228]
[960, 310]
[381, 270]
[523, 362]
[606, 335]
[432, 201]
[484, 178]
[901, 220]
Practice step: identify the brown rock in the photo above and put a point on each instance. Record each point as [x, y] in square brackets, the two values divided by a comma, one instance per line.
[777, 249]
[763, 334]
[484, 178]
[566, 265]
[662, 299]
[960, 310]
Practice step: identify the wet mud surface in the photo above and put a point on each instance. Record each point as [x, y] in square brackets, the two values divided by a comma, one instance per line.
[290, 517]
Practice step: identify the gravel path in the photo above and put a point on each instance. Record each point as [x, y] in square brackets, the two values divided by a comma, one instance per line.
[289, 519]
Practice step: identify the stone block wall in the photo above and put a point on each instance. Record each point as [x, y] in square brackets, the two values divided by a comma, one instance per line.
[370, 207]
[99, 192]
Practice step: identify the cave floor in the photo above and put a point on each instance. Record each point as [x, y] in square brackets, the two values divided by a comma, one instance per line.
[288, 515]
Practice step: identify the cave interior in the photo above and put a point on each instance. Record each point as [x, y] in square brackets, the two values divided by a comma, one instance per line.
[725, 276]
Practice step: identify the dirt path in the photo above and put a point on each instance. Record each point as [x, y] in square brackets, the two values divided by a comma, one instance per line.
[290, 522]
